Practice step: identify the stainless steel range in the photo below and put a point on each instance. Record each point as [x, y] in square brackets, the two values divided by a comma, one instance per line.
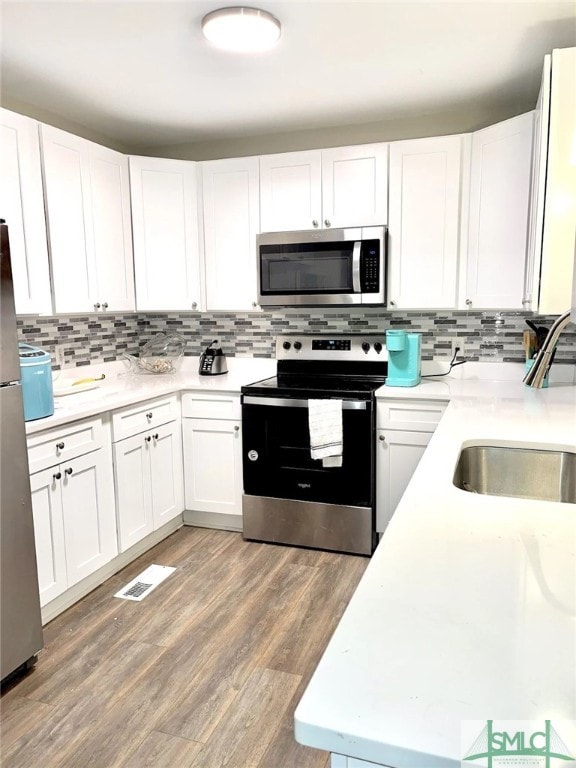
[289, 496]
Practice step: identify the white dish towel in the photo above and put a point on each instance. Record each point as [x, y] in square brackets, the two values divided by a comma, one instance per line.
[325, 424]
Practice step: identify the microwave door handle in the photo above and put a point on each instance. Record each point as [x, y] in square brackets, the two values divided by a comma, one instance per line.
[356, 286]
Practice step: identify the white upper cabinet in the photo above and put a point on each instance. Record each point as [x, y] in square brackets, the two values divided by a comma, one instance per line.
[166, 242]
[291, 191]
[88, 209]
[537, 189]
[424, 222]
[112, 228]
[230, 191]
[340, 187]
[355, 186]
[498, 215]
[22, 206]
[559, 226]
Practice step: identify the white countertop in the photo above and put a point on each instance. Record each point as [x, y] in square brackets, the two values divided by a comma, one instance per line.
[467, 609]
[120, 389]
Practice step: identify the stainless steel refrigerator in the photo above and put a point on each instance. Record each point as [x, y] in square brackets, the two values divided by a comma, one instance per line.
[20, 619]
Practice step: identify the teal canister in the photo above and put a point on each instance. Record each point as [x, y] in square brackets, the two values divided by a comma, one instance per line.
[37, 392]
[404, 358]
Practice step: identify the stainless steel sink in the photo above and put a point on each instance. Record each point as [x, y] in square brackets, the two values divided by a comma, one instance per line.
[526, 473]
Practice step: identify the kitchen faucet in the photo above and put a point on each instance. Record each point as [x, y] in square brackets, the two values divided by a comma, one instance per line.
[542, 361]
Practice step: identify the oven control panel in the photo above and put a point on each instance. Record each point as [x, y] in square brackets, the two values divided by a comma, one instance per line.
[351, 347]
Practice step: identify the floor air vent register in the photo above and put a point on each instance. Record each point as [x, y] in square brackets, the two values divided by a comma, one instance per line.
[145, 582]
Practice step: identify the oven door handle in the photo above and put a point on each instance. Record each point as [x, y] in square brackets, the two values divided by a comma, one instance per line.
[285, 402]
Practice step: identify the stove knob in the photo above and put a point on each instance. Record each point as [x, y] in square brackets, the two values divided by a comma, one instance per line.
[298, 345]
[365, 346]
[378, 347]
[286, 345]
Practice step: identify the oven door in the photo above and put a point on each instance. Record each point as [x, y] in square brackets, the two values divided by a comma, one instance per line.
[276, 453]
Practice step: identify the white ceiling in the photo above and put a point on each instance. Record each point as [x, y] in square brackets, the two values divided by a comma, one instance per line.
[141, 73]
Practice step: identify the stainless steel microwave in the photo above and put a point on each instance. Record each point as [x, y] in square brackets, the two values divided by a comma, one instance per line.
[330, 266]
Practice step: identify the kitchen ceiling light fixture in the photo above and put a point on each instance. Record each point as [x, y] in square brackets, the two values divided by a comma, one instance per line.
[241, 29]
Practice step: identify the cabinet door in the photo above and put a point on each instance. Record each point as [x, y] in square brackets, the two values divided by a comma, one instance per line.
[424, 222]
[291, 191]
[88, 510]
[49, 533]
[22, 205]
[498, 214]
[558, 257]
[355, 186]
[166, 473]
[231, 223]
[212, 465]
[68, 205]
[397, 456]
[112, 228]
[537, 189]
[165, 222]
[133, 489]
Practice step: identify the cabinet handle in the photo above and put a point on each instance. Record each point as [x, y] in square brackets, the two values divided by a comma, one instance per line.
[194, 304]
[314, 222]
[149, 415]
[147, 439]
[57, 476]
[68, 471]
[236, 428]
[105, 305]
[327, 223]
[381, 437]
[59, 446]
[97, 306]
[468, 302]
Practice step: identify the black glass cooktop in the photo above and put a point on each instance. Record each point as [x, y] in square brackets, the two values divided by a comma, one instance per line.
[291, 385]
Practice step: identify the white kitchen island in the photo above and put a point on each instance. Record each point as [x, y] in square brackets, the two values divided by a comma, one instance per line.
[467, 609]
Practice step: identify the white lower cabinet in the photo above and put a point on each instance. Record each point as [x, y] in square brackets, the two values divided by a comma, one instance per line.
[212, 435]
[404, 429]
[74, 521]
[148, 480]
[213, 465]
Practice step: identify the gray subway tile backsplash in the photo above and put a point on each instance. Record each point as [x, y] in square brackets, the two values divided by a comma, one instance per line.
[489, 336]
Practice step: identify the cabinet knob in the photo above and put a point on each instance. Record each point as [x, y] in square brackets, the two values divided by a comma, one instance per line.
[392, 303]
[59, 446]
[97, 306]
[254, 304]
[156, 436]
[327, 223]
[236, 428]
[315, 222]
[147, 439]
[68, 471]
[57, 476]
[381, 438]
[468, 302]
[194, 305]
[105, 305]
[149, 415]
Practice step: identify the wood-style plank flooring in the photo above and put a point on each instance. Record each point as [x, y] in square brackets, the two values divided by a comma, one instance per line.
[205, 672]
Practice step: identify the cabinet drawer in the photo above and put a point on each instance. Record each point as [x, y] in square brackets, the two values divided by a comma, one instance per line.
[46, 449]
[208, 406]
[420, 415]
[137, 418]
